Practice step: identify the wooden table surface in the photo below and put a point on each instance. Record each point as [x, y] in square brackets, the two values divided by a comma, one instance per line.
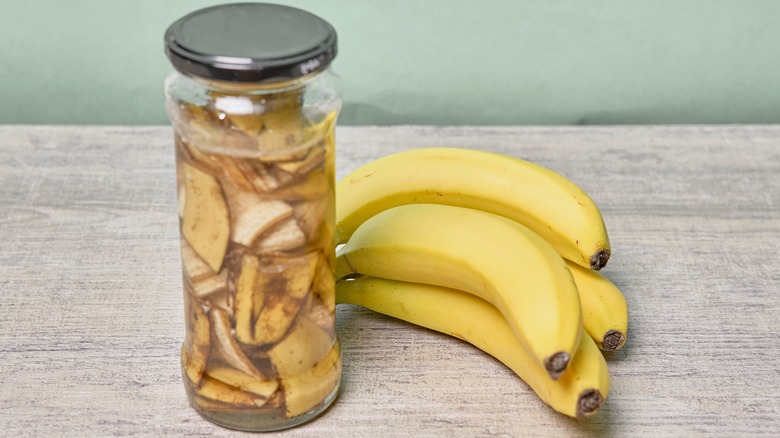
[91, 300]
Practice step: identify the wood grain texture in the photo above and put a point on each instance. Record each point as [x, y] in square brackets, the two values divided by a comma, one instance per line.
[92, 321]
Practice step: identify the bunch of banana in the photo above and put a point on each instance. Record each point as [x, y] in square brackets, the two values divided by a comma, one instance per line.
[494, 250]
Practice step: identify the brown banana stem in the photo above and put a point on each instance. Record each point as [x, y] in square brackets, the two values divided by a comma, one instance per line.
[589, 402]
[613, 340]
[556, 364]
[599, 260]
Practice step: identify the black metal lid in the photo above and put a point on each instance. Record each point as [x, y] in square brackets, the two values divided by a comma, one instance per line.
[250, 42]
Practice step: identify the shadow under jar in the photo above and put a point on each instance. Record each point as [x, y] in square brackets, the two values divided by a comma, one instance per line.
[253, 105]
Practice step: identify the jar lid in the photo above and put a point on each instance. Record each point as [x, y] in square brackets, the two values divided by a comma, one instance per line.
[250, 42]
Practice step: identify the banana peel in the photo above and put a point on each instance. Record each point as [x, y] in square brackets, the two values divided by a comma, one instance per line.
[254, 216]
[258, 174]
[314, 158]
[309, 389]
[270, 294]
[197, 341]
[249, 281]
[193, 267]
[249, 124]
[325, 284]
[284, 283]
[227, 347]
[315, 185]
[320, 314]
[261, 388]
[298, 352]
[205, 223]
[282, 130]
[284, 236]
[223, 301]
[212, 389]
[212, 285]
[310, 215]
[233, 172]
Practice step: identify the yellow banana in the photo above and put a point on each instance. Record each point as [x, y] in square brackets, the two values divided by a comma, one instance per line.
[580, 391]
[604, 308]
[544, 201]
[487, 255]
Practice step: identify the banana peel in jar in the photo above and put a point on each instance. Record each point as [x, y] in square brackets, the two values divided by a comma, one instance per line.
[206, 222]
[313, 153]
[285, 293]
[197, 341]
[193, 267]
[233, 173]
[314, 185]
[247, 111]
[227, 347]
[307, 390]
[202, 130]
[282, 131]
[253, 216]
[202, 160]
[324, 283]
[309, 215]
[284, 236]
[270, 294]
[209, 286]
[222, 300]
[262, 388]
[242, 111]
[313, 159]
[292, 168]
[214, 390]
[321, 314]
[249, 281]
[303, 347]
[325, 241]
[258, 174]
[321, 306]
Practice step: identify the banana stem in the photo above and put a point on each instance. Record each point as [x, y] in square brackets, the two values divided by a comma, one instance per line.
[589, 402]
[556, 364]
[613, 340]
[599, 260]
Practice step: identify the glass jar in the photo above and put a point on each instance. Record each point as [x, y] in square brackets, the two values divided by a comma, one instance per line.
[253, 106]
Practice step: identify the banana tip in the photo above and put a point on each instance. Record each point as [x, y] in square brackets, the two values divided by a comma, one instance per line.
[599, 260]
[556, 364]
[589, 402]
[613, 340]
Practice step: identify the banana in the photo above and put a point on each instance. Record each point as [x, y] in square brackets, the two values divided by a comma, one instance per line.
[545, 201]
[487, 255]
[604, 308]
[579, 392]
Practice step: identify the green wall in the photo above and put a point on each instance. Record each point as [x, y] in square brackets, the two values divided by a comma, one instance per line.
[426, 61]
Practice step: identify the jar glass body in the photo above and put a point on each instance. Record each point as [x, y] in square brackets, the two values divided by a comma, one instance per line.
[255, 165]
